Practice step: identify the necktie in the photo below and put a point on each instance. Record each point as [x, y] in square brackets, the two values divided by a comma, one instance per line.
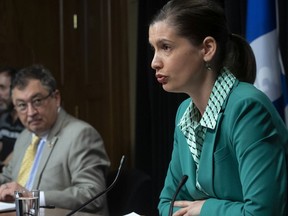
[27, 161]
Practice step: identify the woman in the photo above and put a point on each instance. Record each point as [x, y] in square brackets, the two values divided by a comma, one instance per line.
[229, 139]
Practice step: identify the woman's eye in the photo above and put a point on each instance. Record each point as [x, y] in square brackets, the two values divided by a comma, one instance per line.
[165, 47]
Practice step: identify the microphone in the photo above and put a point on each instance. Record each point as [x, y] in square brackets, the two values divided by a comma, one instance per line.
[181, 183]
[104, 191]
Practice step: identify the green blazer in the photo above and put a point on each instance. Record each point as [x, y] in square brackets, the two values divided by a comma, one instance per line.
[242, 166]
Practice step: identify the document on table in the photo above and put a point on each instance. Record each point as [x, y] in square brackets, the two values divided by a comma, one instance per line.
[132, 214]
[5, 206]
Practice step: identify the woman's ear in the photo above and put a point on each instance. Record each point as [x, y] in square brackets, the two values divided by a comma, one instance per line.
[209, 48]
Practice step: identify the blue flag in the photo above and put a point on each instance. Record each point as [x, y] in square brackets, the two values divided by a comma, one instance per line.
[262, 34]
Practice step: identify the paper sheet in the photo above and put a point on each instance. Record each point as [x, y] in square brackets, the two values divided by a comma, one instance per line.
[4, 206]
[132, 214]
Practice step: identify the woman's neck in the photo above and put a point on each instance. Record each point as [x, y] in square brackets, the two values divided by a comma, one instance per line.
[201, 95]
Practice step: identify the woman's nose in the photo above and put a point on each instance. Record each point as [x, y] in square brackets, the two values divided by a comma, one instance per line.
[156, 63]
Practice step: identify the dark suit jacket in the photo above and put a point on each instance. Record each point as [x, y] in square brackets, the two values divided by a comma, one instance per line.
[242, 165]
[72, 166]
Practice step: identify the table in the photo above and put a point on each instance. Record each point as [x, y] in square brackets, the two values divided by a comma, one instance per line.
[51, 212]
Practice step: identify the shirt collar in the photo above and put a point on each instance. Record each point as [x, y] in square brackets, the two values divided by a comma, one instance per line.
[221, 89]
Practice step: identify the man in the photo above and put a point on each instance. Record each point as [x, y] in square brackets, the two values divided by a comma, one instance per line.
[70, 164]
[6, 74]
[10, 126]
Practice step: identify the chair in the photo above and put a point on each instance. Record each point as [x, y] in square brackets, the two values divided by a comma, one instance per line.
[132, 193]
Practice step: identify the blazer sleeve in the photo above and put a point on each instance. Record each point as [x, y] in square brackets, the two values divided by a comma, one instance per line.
[175, 169]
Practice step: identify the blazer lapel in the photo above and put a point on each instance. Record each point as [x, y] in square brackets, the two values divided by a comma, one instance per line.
[49, 146]
[206, 169]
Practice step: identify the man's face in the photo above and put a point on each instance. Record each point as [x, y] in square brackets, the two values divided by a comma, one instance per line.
[36, 107]
[5, 99]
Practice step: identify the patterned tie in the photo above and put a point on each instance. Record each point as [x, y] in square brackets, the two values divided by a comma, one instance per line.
[27, 161]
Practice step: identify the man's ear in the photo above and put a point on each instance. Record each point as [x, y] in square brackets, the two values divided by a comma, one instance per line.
[57, 96]
[209, 48]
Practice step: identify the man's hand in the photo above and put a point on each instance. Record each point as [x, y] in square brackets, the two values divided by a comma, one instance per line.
[7, 191]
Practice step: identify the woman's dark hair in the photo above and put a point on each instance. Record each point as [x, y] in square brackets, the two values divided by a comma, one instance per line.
[197, 19]
[37, 72]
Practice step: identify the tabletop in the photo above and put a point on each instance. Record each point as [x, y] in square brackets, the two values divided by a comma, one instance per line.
[50, 212]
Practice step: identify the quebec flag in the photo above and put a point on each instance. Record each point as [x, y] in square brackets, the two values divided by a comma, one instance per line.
[262, 34]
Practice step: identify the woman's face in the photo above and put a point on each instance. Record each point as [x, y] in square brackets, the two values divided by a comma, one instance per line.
[179, 65]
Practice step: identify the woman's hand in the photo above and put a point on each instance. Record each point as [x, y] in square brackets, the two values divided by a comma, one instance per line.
[188, 208]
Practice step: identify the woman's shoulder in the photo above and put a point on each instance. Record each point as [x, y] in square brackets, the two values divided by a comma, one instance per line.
[245, 98]
[245, 92]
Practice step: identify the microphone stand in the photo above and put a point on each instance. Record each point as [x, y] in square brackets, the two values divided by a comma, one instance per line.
[103, 192]
[181, 183]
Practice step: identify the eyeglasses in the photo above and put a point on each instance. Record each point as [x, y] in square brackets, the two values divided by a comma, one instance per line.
[36, 102]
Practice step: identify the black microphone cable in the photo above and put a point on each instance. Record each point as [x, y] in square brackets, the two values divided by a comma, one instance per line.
[104, 191]
[180, 185]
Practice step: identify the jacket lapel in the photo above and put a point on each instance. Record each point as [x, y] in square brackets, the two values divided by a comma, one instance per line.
[206, 168]
[49, 146]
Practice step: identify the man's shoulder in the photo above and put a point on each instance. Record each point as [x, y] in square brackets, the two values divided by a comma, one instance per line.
[69, 120]
[68, 124]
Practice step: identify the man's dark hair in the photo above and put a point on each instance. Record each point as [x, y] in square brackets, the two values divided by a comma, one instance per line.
[38, 72]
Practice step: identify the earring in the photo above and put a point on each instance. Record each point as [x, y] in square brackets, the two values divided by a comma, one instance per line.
[208, 66]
